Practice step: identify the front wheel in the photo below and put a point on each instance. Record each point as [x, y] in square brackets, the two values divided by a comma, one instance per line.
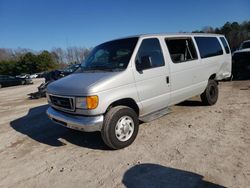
[210, 95]
[120, 127]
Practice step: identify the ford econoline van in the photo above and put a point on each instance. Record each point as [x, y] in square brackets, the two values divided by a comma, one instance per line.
[137, 78]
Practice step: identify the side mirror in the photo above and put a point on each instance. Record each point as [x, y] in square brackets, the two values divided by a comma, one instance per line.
[144, 63]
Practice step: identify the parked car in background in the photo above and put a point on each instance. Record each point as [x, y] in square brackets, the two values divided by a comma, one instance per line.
[245, 45]
[23, 76]
[35, 75]
[69, 69]
[6, 80]
[28, 80]
[50, 77]
[41, 74]
[241, 61]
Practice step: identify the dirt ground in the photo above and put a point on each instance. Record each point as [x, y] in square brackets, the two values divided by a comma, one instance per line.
[194, 146]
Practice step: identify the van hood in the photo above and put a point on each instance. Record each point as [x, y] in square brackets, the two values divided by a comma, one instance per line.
[82, 84]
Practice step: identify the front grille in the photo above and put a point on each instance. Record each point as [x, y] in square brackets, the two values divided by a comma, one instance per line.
[66, 103]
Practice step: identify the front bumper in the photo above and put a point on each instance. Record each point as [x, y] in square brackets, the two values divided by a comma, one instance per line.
[82, 123]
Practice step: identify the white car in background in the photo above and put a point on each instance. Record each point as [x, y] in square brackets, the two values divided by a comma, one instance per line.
[34, 76]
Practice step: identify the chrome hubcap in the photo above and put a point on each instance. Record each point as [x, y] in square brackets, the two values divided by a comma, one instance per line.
[124, 128]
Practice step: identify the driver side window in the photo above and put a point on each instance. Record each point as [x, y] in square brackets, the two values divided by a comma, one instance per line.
[150, 54]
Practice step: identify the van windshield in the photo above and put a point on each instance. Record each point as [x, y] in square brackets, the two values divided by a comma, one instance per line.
[110, 56]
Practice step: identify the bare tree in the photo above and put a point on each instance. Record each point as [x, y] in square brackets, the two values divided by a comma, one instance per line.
[207, 29]
[76, 54]
[60, 54]
[6, 54]
[71, 54]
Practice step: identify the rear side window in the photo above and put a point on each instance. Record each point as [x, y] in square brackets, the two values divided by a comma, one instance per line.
[151, 48]
[208, 46]
[181, 49]
[223, 40]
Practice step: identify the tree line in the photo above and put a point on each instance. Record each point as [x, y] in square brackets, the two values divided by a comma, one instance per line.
[23, 61]
[18, 61]
[234, 32]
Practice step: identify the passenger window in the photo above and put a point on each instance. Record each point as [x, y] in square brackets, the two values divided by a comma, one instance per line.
[181, 49]
[223, 40]
[208, 46]
[149, 55]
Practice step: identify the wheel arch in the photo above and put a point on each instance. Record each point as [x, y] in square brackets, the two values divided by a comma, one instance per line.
[129, 102]
[212, 77]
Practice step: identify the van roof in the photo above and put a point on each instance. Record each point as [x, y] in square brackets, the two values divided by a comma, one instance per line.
[172, 35]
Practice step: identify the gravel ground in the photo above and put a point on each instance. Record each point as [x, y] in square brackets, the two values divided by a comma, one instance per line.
[194, 146]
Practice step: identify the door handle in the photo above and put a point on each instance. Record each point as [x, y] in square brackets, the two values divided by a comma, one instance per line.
[167, 79]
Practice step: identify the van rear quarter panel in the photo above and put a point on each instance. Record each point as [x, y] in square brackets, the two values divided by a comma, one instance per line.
[219, 65]
[225, 70]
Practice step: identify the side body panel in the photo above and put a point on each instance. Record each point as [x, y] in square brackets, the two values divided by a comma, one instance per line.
[182, 78]
[152, 85]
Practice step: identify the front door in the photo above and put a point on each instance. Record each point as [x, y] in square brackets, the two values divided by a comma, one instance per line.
[151, 76]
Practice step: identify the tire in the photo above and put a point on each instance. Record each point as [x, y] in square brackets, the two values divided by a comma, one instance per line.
[22, 82]
[210, 95]
[0, 86]
[120, 127]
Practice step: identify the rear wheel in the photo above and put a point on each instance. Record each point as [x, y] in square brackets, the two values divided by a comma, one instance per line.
[120, 127]
[0, 86]
[211, 93]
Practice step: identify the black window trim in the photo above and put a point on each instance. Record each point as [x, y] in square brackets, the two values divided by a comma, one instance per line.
[184, 37]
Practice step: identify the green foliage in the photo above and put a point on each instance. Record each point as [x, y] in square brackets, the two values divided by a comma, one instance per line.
[29, 63]
[8, 68]
[234, 32]
[46, 61]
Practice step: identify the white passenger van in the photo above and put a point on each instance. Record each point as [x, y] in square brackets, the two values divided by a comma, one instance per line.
[137, 78]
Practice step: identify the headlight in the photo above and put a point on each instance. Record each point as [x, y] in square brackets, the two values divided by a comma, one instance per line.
[90, 102]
